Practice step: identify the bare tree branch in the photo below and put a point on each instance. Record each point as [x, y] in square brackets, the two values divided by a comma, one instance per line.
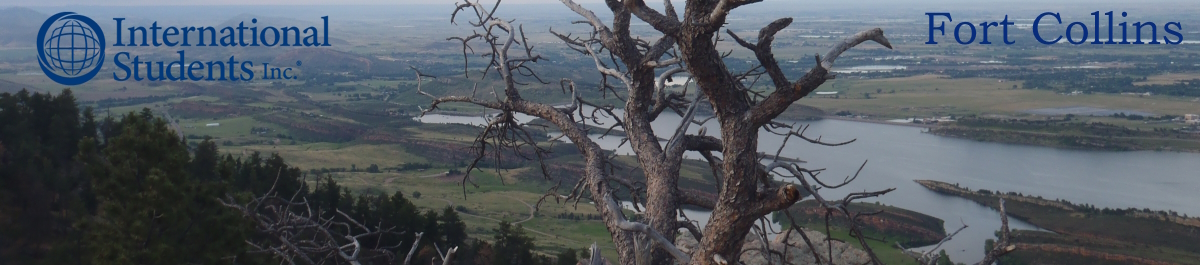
[783, 96]
[449, 257]
[1004, 245]
[295, 232]
[745, 190]
[660, 22]
[413, 249]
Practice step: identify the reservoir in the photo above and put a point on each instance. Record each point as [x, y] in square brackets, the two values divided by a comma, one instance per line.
[899, 154]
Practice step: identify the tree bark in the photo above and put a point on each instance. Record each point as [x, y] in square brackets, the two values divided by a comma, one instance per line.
[743, 196]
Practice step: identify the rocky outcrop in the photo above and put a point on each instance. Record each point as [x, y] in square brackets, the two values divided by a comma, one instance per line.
[792, 244]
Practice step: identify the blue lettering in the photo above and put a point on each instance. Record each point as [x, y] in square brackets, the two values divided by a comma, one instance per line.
[170, 31]
[1167, 28]
[1037, 35]
[192, 67]
[274, 40]
[941, 27]
[246, 70]
[170, 75]
[122, 66]
[119, 43]
[1085, 33]
[956, 35]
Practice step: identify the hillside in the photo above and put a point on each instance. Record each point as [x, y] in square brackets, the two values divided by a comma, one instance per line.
[20, 26]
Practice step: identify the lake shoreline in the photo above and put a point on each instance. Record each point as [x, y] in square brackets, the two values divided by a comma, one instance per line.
[905, 153]
[1033, 138]
[1062, 141]
[918, 125]
[1129, 234]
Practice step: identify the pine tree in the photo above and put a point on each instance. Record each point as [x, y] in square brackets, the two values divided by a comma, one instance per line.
[433, 231]
[89, 127]
[325, 197]
[151, 211]
[42, 189]
[204, 161]
[453, 227]
[484, 253]
[568, 257]
[400, 212]
[512, 245]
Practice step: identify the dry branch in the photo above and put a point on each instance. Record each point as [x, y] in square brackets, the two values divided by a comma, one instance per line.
[745, 190]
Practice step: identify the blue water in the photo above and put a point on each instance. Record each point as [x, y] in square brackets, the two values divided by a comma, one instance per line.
[898, 155]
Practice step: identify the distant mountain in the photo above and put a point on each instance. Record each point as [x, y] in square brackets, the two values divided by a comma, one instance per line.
[19, 26]
[279, 22]
[13, 87]
[264, 21]
[326, 60]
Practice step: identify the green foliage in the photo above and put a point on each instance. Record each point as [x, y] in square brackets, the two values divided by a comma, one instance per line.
[257, 176]
[152, 210]
[1089, 81]
[204, 162]
[512, 245]
[326, 196]
[452, 227]
[433, 231]
[126, 190]
[943, 258]
[567, 257]
[412, 166]
[42, 188]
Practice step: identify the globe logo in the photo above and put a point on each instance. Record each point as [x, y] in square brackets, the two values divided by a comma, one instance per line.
[70, 48]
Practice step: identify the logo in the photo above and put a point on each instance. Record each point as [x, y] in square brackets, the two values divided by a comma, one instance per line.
[70, 48]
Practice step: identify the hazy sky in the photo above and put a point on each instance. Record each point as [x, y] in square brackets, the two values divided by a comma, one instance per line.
[447, 2]
[246, 2]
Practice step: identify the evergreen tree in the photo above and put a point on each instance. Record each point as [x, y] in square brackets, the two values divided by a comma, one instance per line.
[326, 196]
[42, 188]
[400, 212]
[484, 253]
[89, 127]
[466, 254]
[433, 231]
[125, 190]
[204, 161]
[513, 247]
[151, 211]
[568, 257]
[453, 227]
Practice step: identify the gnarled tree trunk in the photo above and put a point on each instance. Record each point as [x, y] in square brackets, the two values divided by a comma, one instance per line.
[745, 191]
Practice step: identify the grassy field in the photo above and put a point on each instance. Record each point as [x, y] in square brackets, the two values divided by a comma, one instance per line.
[504, 195]
[97, 89]
[886, 251]
[334, 155]
[507, 200]
[485, 206]
[933, 95]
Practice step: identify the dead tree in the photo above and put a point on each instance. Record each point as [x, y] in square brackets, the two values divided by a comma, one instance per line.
[634, 71]
[294, 232]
